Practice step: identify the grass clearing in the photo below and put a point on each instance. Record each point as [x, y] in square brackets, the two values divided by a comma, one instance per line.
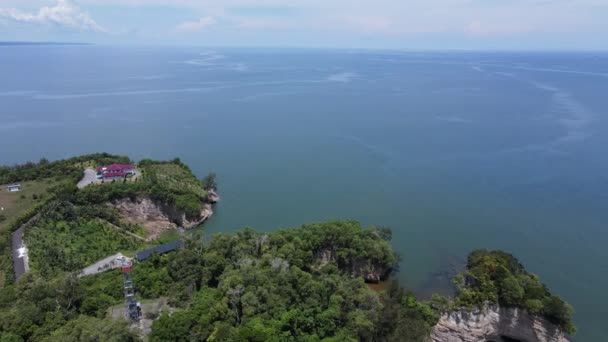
[17, 202]
[175, 178]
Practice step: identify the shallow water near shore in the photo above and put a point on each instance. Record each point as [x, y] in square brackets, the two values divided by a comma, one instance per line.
[453, 151]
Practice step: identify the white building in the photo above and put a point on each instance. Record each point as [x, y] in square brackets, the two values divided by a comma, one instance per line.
[13, 188]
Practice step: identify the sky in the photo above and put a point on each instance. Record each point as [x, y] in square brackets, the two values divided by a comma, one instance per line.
[391, 24]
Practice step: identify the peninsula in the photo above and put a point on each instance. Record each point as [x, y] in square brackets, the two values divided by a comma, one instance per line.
[67, 225]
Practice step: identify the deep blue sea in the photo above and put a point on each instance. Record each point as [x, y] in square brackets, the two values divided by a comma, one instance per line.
[454, 151]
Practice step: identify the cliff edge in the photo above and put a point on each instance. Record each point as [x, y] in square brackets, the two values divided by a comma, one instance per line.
[157, 217]
[497, 324]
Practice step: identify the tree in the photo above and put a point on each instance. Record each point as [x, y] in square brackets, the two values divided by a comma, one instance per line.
[511, 292]
[385, 233]
[559, 312]
[209, 182]
[10, 337]
[86, 328]
[174, 327]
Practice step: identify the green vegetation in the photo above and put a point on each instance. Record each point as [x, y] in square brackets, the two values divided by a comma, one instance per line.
[66, 168]
[257, 287]
[303, 284]
[57, 245]
[49, 181]
[38, 309]
[17, 202]
[72, 233]
[498, 277]
[78, 230]
[174, 183]
[170, 182]
[242, 287]
[209, 182]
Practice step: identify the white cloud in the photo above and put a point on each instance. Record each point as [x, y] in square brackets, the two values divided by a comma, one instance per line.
[64, 13]
[477, 28]
[194, 26]
[367, 23]
[358, 21]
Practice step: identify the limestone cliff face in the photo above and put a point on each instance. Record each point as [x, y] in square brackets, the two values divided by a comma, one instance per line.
[497, 324]
[157, 217]
[358, 267]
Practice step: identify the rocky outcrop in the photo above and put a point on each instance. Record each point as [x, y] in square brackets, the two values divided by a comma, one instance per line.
[370, 271]
[213, 196]
[158, 217]
[497, 324]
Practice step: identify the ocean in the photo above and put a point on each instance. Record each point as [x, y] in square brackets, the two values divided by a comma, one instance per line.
[452, 150]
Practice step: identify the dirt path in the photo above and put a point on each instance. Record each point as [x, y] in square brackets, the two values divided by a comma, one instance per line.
[124, 230]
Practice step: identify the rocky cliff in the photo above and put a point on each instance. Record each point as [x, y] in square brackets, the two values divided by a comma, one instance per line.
[496, 324]
[158, 217]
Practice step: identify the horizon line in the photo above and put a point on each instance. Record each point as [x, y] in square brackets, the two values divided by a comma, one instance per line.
[275, 47]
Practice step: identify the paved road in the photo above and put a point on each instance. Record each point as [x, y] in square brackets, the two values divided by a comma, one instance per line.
[90, 176]
[20, 260]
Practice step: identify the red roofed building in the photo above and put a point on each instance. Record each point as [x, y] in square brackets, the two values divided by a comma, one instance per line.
[115, 171]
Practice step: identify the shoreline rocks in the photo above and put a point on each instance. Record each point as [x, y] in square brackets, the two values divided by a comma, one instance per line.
[497, 324]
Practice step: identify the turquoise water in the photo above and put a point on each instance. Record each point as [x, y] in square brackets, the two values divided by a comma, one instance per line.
[454, 151]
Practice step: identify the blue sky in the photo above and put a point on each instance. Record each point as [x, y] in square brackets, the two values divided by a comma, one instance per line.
[400, 24]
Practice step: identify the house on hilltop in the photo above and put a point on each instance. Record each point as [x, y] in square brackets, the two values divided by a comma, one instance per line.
[115, 171]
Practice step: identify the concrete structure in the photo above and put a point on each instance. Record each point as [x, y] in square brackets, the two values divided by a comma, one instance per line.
[162, 249]
[106, 264]
[20, 257]
[13, 188]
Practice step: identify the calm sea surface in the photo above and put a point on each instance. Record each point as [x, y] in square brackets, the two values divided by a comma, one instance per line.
[454, 151]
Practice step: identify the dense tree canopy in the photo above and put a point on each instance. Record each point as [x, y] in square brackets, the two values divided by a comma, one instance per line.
[243, 287]
[39, 309]
[275, 287]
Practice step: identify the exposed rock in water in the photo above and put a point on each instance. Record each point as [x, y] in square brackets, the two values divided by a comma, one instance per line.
[158, 217]
[358, 267]
[213, 196]
[494, 323]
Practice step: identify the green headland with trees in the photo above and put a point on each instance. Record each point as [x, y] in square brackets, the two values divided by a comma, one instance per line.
[298, 284]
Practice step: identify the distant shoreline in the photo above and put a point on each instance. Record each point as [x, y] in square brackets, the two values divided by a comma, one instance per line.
[39, 43]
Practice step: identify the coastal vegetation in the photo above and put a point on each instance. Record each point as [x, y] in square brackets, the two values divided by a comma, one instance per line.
[76, 227]
[65, 169]
[498, 277]
[169, 182]
[299, 284]
[246, 286]
[45, 179]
